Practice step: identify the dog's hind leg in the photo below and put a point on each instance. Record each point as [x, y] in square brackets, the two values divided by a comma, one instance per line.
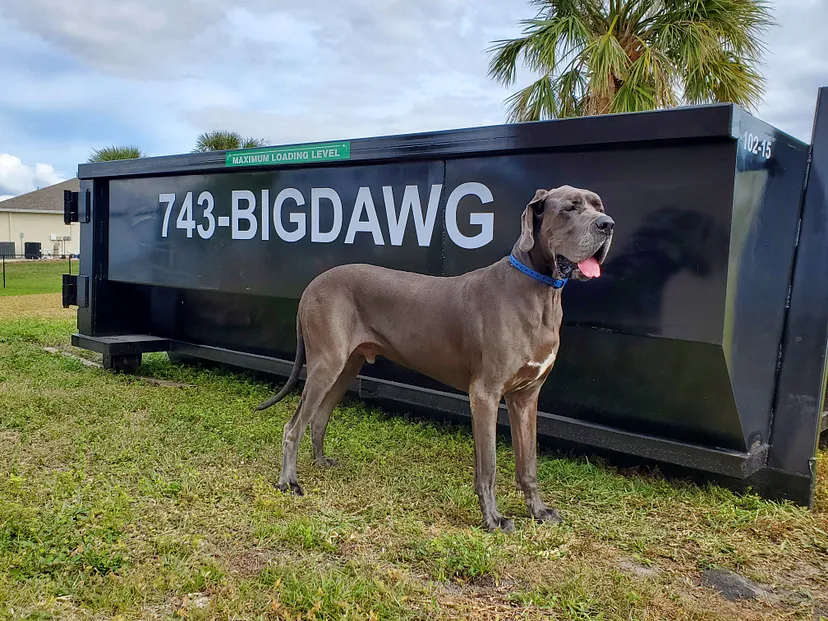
[319, 422]
[320, 383]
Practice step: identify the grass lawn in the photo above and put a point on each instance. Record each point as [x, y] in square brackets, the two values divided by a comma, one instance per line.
[124, 499]
[32, 277]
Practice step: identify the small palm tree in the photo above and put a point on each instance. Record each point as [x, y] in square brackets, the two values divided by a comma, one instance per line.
[108, 154]
[222, 140]
[606, 56]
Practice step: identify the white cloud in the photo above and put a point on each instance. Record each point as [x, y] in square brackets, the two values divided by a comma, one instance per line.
[795, 66]
[19, 178]
[130, 38]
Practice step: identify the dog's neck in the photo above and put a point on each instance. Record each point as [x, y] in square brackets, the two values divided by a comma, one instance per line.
[540, 302]
[535, 260]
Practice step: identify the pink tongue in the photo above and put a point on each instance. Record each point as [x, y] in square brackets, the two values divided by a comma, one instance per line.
[590, 268]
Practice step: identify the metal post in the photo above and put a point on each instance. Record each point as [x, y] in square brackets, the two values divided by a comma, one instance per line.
[801, 381]
[4, 270]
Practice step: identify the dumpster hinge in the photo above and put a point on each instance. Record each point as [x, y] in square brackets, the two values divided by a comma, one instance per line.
[75, 290]
[73, 210]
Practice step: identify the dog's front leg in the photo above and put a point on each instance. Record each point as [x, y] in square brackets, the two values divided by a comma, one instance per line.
[523, 421]
[484, 429]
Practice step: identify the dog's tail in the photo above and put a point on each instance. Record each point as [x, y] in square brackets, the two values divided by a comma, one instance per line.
[294, 374]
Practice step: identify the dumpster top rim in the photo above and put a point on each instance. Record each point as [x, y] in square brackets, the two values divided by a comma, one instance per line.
[692, 123]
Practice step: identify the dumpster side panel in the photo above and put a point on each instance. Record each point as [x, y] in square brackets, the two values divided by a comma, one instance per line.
[770, 178]
[114, 308]
[801, 392]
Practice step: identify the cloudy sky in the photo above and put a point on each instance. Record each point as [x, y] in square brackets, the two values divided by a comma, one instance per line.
[155, 73]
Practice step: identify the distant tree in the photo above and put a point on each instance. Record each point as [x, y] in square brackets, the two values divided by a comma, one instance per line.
[222, 140]
[108, 154]
[605, 56]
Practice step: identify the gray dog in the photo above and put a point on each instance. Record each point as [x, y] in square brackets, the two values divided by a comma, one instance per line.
[492, 332]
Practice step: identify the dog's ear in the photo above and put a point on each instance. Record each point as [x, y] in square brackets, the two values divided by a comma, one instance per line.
[527, 220]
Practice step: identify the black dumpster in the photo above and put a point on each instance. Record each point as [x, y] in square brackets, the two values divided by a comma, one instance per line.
[702, 344]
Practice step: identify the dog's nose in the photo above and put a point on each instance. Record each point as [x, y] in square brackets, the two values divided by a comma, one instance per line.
[605, 224]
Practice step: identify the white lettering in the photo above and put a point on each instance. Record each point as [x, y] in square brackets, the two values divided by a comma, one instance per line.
[297, 218]
[185, 216]
[318, 194]
[292, 156]
[484, 220]
[411, 202]
[170, 200]
[205, 199]
[248, 213]
[243, 208]
[364, 202]
[265, 215]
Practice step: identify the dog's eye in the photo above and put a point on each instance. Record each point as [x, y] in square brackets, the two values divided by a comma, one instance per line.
[571, 207]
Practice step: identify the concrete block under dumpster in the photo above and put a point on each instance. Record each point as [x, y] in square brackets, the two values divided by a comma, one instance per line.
[688, 350]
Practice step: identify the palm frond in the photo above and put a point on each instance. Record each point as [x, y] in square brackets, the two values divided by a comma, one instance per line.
[607, 62]
[538, 101]
[252, 143]
[223, 140]
[570, 88]
[503, 66]
[109, 154]
[632, 98]
[566, 8]
[724, 79]
[540, 48]
[654, 72]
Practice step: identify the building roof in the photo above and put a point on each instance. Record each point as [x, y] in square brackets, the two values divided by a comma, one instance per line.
[46, 199]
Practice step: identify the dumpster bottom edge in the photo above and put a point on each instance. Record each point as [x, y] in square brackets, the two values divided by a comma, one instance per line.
[550, 426]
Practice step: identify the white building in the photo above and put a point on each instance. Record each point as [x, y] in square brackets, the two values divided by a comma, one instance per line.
[38, 217]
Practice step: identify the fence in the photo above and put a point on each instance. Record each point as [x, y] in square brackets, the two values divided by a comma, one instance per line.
[22, 258]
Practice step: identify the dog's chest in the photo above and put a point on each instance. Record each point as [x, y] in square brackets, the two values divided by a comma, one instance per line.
[533, 369]
[539, 368]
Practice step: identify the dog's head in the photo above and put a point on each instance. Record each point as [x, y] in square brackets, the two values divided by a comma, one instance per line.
[567, 230]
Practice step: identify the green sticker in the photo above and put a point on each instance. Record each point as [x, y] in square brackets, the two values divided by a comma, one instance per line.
[300, 154]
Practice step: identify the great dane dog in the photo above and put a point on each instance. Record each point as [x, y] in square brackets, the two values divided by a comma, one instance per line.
[492, 332]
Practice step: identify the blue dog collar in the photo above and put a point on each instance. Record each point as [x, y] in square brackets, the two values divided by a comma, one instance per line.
[555, 283]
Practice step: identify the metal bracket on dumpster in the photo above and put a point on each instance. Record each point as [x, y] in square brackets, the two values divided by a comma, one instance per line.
[75, 291]
[73, 211]
[122, 344]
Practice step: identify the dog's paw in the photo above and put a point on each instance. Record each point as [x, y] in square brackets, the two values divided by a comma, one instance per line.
[502, 524]
[293, 488]
[550, 516]
[326, 462]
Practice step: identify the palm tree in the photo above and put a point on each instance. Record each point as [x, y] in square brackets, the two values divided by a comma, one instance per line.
[108, 154]
[606, 56]
[222, 140]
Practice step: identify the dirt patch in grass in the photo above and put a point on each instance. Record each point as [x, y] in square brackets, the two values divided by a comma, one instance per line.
[45, 306]
[119, 497]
